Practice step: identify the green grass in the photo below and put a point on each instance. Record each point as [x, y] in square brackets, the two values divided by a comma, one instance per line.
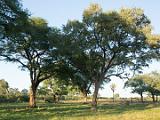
[78, 111]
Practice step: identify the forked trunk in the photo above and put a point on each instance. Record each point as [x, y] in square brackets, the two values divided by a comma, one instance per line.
[95, 94]
[32, 97]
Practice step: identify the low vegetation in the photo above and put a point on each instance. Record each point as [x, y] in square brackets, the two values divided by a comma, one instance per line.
[79, 111]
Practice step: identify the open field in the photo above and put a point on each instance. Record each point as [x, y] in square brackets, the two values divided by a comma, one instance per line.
[79, 111]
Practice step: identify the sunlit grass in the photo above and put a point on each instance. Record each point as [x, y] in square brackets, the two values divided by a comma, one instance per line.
[79, 111]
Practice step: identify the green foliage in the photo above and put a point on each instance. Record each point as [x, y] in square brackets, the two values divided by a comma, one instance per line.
[3, 87]
[145, 83]
[8, 94]
[56, 87]
[52, 90]
[87, 52]
[106, 44]
[110, 41]
[137, 85]
[12, 18]
[34, 49]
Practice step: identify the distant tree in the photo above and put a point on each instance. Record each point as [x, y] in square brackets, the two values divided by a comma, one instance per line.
[137, 85]
[14, 95]
[24, 92]
[145, 83]
[24, 95]
[113, 88]
[152, 81]
[55, 88]
[116, 96]
[42, 92]
[14, 92]
[4, 87]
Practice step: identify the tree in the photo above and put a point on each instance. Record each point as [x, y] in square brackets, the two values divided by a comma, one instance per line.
[114, 43]
[55, 88]
[3, 87]
[24, 92]
[137, 85]
[153, 84]
[14, 95]
[35, 50]
[145, 83]
[113, 88]
[24, 95]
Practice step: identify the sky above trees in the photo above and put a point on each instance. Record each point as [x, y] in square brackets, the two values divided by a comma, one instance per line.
[58, 12]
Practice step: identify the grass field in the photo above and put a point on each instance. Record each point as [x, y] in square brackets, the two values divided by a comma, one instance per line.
[79, 111]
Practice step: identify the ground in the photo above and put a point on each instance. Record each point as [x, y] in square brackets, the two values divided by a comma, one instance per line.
[79, 111]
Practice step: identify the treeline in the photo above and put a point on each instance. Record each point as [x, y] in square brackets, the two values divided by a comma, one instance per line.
[145, 83]
[50, 91]
[8, 94]
[85, 53]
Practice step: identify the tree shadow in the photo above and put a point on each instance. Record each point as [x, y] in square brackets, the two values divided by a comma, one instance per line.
[64, 110]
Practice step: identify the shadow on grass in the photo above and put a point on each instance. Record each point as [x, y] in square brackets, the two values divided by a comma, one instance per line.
[47, 111]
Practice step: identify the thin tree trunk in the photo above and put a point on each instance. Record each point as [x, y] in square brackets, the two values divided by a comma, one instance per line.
[95, 94]
[32, 98]
[141, 97]
[156, 98]
[54, 98]
[85, 96]
[153, 97]
[113, 96]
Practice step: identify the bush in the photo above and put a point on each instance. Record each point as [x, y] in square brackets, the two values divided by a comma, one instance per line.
[3, 98]
[24, 98]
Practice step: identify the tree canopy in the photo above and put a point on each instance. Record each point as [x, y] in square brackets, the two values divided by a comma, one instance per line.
[112, 43]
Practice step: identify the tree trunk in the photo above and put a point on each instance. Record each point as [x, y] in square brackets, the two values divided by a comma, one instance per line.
[85, 96]
[32, 98]
[54, 98]
[113, 96]
[156, 98]
[95, 94]
[141, 97]
[153, 97]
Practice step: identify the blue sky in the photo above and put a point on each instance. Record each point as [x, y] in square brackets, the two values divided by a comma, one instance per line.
[58, 12]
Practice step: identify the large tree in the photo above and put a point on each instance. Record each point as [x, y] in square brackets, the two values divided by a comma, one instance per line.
[114, 42]
[34, 49]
